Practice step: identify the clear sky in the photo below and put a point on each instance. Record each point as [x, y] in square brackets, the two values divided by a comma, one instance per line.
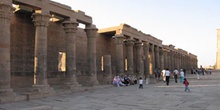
[188, 24]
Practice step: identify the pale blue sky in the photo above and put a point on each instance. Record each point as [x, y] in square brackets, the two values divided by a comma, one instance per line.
[188, 24]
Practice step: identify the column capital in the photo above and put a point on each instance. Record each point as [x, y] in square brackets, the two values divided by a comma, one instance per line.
[146, 43]
[6, 10]
[41, 19]
[138, 44]
[70, 26]
[129, 42]
[119, 39]
[91, 31]
[157, 49]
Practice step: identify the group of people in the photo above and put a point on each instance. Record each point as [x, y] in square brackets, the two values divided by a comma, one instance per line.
[166, 75]
[202, 71]
[124, 80]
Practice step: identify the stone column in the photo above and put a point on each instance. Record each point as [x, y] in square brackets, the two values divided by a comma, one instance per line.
[119, 39]
[41, 22]
[146, 60]
[157, 58]
[70, 28]
[91, 80]
[138, 46]
[178, 59]
[5, 70]
[107, 77]
[169, 60]
[165, 59]
[153, 57]
[130, 59]
[172, 61]
[151, 76]
[161, 59]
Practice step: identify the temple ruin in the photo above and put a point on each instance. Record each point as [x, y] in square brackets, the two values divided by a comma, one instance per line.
[43, 51]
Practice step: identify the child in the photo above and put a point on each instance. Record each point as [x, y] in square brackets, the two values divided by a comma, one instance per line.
[186, 84]
[141, 83]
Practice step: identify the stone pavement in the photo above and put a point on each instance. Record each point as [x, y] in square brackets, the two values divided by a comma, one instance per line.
[204, 95]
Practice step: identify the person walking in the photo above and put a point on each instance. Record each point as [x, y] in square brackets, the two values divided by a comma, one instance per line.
[140, 83]
[182, 75]
[186, 84]
[167, 72]
[158, 74]
[176, 72]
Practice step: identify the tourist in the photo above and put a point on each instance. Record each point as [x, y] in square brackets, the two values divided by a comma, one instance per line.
[158, 74]
[210, 71]
[133, 80]
[140, 83]
[181, 75]
[175, 72]
[197, 73]
[122, 79]
[184, 70]
[126, 80]
[203, 71]
[155, 72]
[115, 81]
[167, 72]
[163, 73]
[186, 85]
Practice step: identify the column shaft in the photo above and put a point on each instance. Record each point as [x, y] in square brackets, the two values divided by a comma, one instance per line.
[152, 58]
[130, 56]
[146, 61]
[157, 59]
[70, 28]
[138, 46]
[5, 70]
[161, 59]
[119, 39]
[91, 31]
[41, 22]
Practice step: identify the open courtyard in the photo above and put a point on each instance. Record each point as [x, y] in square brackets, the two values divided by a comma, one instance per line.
[204, 95]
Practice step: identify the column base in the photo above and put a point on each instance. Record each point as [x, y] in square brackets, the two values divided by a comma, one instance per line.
[7, 95]
[73, 85]
[152, 79]
[42, 89]
[90, 81]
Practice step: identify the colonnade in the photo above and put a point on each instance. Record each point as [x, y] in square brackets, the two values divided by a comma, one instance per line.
[154, 57]
[41, 23]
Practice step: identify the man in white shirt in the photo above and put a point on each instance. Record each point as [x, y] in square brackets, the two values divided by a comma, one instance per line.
[175, 72]
[167, 72]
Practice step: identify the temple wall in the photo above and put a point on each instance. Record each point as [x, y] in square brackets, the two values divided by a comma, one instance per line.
[22, 52]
